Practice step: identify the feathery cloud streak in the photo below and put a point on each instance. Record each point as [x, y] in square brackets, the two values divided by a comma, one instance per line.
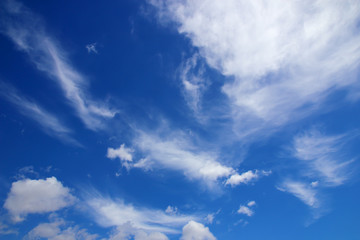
[27, 31]
[109, 212]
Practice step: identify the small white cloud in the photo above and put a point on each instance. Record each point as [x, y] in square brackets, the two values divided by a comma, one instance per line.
[210, 218]
[314, 184]
[123, 153]
[91, 48]
[246, 177]
[196, 231]
[36, 196]
[245, 210]
[251, 203]
[171, 210]
[303, 191]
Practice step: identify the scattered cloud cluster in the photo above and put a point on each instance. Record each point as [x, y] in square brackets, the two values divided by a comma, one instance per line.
[37, 196]
[246, 209]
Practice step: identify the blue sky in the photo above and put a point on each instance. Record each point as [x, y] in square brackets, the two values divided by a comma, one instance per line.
[179, 120]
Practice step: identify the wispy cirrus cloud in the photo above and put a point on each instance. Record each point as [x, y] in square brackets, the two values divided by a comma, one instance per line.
[322, 156]
[305, 192]
[28, 33]
[193, 82]
[115, 212]
[285, 58]
[320, 162]
[175, 151]
[48, 122]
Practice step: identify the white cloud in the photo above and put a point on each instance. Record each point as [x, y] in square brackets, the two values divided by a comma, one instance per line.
[246, 177]
[321, 154]
[26, 30]
[285, 57]
[48, 122]
[314, 184]
[171, 210]
[193, 82]
[108, 212]
[245, 210]
[123, 153]
[196, 231]
[303, 191]
[251, 203]
[59, 229]
[178, 153]
[37, 196]
[210, 218]
[91, 48]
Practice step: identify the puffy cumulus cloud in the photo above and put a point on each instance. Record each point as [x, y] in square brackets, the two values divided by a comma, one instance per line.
[196, 231]
[108, 212]
[178, 153]
[285, 57]
[59, 229]
[246, 177]
[303, 191]
[27, 31]
[322, 156]
[36, 196]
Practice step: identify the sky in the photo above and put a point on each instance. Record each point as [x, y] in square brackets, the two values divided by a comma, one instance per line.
[179, 119]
